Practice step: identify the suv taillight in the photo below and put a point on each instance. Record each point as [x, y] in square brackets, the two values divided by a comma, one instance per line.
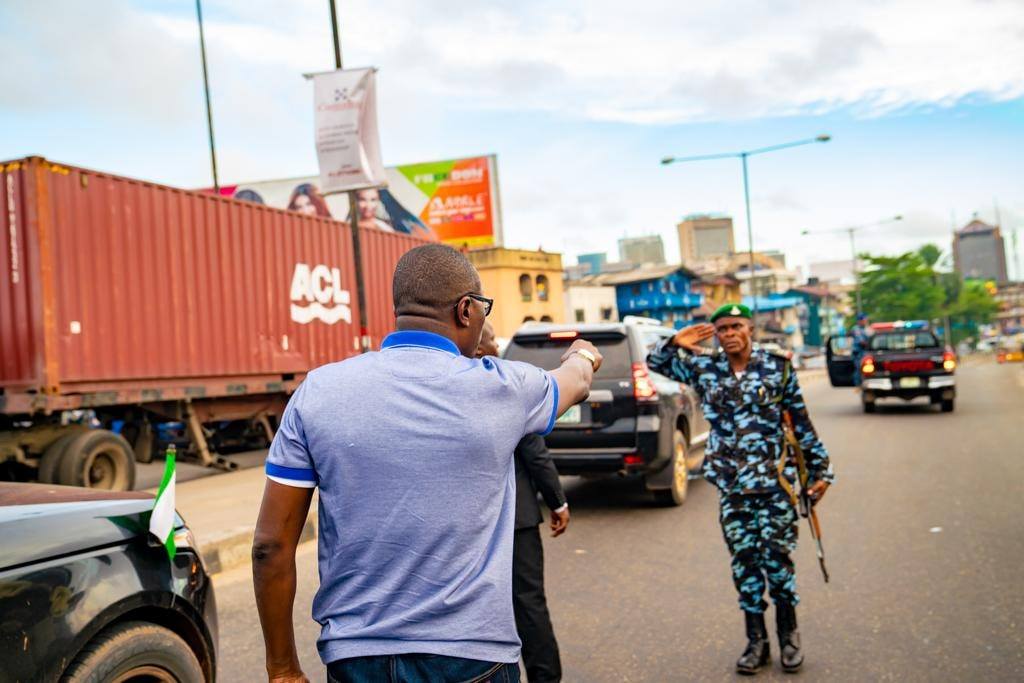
[643, 387]
[867, 366]
[949, 361]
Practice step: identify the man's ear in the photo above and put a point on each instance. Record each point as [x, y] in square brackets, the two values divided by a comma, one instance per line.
[462, 312]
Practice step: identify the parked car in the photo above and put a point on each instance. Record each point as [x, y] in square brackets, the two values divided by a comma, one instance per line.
[635, 422]
[87, 593]
[903, 360]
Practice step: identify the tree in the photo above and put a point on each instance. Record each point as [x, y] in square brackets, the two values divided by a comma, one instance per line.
[901, 287]
[974, 306]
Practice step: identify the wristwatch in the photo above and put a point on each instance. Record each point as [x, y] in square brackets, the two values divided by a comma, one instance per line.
[588, 355]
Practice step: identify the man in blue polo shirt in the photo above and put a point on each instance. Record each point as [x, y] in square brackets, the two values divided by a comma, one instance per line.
[411, 449]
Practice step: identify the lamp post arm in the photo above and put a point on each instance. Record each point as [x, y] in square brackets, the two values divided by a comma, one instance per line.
[785, 145]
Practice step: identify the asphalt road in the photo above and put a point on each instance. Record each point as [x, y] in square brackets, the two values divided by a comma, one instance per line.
[924, 538]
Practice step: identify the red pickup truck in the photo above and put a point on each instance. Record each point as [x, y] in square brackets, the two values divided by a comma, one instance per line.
[903, 360]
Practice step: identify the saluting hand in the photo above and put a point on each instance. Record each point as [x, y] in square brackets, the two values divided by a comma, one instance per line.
[690, 337]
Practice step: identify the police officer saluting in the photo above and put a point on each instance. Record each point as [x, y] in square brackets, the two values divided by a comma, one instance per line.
[744, 394]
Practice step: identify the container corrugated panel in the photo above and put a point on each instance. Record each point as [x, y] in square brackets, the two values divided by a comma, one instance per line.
[381, 252]
[122, 281]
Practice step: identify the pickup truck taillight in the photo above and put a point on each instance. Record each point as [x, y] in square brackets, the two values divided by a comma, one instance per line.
[949, 361]
[643, 387]
[867, 365]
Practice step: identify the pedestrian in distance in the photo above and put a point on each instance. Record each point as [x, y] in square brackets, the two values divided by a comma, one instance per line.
[745, 394]
[535, 471]
[411, 449]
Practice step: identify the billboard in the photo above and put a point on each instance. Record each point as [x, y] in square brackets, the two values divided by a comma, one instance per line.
[454, 201]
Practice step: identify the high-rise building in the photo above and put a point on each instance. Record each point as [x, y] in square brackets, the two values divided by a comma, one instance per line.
[596, 261]
[979, 252]
[703, 236]
[641, 250]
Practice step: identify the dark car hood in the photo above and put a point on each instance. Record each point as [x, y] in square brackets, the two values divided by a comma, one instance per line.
[40, 521]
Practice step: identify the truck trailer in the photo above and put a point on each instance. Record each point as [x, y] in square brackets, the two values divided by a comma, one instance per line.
[126, 305]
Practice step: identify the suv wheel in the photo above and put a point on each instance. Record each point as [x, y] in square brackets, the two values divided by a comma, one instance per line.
[676, 494]
[134, 651]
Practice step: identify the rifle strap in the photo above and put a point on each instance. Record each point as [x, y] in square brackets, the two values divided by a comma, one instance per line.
[790, 443]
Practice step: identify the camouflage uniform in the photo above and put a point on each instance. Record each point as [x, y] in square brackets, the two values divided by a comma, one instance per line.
[742, 456]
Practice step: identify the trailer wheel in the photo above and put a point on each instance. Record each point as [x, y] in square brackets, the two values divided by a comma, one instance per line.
[98, 459]
[50, 461]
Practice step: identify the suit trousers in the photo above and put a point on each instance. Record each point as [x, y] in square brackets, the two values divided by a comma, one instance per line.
[533, 622]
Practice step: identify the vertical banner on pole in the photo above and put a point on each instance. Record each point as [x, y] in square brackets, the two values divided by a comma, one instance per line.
[347, 141]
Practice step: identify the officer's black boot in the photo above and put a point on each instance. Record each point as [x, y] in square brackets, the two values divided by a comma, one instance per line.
[757, 653]
[791, 656]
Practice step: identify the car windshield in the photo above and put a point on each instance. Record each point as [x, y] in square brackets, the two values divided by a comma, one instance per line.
[547, 354]
[903, 341]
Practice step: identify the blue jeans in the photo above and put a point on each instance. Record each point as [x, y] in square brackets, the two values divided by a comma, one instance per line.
[420, 668]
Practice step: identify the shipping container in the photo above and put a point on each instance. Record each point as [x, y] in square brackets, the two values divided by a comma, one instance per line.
[122, 293]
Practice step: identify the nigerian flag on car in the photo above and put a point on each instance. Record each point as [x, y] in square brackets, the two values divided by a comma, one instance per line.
[161, 522]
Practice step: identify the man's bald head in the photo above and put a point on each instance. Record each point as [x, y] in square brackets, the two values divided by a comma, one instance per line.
[430, 279]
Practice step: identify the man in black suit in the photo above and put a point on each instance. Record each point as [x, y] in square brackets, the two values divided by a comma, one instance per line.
[534, 471]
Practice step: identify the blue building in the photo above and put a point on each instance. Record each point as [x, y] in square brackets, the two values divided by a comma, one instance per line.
[661, 292]
[595, 261]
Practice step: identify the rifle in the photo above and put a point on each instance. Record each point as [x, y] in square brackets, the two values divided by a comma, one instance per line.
[802, 501]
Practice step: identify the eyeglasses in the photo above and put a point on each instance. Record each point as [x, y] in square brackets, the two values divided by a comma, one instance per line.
[488, 303]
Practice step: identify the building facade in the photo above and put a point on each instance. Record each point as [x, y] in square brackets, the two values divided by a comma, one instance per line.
[589, 300]
[662, 292]
[1010, 317]
[979, 252]
[525, 285]
[641, 250]
[703, 236]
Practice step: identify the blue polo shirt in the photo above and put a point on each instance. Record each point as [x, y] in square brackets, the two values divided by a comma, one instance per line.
[412, 451]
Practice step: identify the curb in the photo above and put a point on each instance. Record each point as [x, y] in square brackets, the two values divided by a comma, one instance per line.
[234, 548]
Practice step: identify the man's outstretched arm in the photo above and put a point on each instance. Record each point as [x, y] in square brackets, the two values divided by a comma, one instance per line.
[282, 515]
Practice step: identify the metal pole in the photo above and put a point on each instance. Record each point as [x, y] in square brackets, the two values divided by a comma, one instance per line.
[750, 239]
[206, 88]
[856, 271]
[353, 215]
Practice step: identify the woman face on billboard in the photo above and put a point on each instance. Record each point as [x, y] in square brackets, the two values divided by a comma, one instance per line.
[367, 201]
[306, 199]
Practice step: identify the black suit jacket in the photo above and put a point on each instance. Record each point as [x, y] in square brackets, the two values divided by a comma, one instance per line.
[535, 471]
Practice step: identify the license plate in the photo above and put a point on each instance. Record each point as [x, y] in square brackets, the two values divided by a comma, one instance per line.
[571, 416]
[910, 382]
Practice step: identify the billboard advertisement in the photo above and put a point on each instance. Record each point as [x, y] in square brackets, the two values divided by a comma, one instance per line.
[454, 201]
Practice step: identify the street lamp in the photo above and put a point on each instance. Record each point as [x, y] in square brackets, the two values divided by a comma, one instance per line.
[851, 230]
[742, 156]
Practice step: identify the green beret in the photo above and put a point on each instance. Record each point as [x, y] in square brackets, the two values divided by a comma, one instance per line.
[731, 311]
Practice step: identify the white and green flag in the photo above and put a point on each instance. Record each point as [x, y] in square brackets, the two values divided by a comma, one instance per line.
[161, 523]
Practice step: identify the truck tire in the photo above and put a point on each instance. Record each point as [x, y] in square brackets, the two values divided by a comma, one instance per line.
[135, 650]
[869, 406]
[947, 405]
[675, 495]
[97, 459]
[52, 456]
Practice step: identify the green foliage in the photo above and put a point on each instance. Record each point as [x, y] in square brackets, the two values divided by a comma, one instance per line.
[907, 287]
[900, 287]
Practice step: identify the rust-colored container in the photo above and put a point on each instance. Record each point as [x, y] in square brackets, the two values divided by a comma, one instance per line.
[116, 290]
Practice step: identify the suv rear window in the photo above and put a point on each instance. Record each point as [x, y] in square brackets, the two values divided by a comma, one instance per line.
[547, 354]
[903, 341]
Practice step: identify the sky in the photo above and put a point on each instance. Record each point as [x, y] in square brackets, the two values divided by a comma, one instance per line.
[579, 100]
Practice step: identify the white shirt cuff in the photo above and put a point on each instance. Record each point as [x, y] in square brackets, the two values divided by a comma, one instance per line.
[565, 506]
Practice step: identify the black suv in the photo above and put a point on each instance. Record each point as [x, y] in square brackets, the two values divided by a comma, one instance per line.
[634, 421]
[88, 594]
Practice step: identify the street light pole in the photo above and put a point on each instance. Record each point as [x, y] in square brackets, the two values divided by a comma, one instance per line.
[742, 156]
[206, 90]
[851, 231]
[750, 238]
[357, 250]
